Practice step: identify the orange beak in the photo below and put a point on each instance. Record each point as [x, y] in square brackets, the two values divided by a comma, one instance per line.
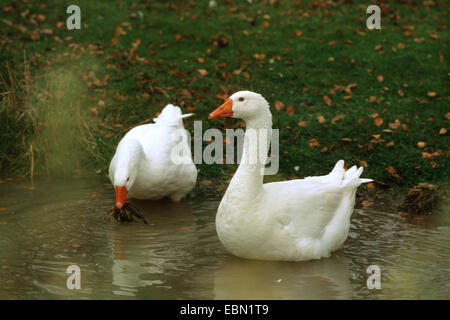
[121, 195]
[225, 110]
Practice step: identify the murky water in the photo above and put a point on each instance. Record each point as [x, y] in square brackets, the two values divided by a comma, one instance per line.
[179, 256]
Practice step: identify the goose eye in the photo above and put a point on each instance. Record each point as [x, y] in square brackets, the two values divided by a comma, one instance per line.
[241, 99]
[128, 179]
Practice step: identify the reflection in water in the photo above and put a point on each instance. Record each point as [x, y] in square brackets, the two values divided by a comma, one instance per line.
[178, 256]
[247, 279]
[141, 258]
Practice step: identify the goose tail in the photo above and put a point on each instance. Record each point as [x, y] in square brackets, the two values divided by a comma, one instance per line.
[349, 178]
[171, 116]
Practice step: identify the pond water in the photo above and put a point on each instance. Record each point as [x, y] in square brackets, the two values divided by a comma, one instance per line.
[178, 255]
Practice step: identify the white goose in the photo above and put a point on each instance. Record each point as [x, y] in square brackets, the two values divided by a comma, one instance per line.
[291, 220]
[143, 166]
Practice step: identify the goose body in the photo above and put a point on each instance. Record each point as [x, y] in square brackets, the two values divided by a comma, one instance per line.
[143, 166]
[292, 220]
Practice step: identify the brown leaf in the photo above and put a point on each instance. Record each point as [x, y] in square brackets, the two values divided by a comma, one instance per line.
[380, 78]
[442, 131]
[394, 125]
[430, 156]
[367, 203]
[327, 100]
[114, 41]
[378, 121]
[302, 123]
[321, 119]
[314, 143]
[290, 110]
[279, 105]
[337, 118]
[434, 36]
[203, 72]
[431, 94]
[392, 171]
[421, 144]
[447, 116]
[35, 36]
[259, 56]
[363, 163]
[298, 33]
[400, 92]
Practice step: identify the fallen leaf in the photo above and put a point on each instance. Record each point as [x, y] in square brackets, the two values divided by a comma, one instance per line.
[298, 33]
[442, 131]
[202, 72]
[380, 78]
[321, 119]
[76, 245]
[302, 123]
[421, 144]
[434, 36]
[378, 121]
[290, 110]
[370, 185]
[400, 92]
[363, 163]
[114, 41]
[367, 203]
[2, 209]
[259, 56]
[431, 94]
[327, 100]
[392, 171]
[185, 228]
[279, 105]
[35, 36]
[314, 143]
[430, 156]
[337, 118]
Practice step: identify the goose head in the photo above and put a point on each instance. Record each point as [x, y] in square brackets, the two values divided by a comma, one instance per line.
[245, 105]
[128, 155]
[123, 181]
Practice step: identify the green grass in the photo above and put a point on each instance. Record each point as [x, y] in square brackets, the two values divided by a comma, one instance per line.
[242, 46]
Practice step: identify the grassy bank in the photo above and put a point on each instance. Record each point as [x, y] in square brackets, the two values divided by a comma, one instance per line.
[337, 90]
